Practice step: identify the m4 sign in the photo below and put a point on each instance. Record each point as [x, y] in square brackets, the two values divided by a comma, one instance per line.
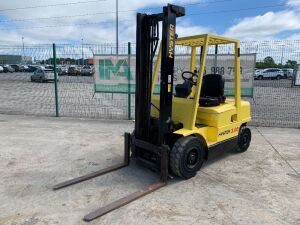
[110, 69]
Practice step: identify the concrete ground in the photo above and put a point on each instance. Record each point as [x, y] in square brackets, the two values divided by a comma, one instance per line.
[260, 186]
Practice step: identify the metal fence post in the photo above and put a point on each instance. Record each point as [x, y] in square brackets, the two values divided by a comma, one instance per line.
[55, 82]
[129, 85]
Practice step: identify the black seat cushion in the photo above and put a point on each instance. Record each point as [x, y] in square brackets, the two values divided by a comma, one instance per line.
[212, 90]
[209, 102]
[184, 90]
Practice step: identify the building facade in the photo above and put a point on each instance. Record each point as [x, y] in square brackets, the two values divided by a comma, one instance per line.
[15, 59]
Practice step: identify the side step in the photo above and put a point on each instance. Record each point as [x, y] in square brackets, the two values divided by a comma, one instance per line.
[130, 198]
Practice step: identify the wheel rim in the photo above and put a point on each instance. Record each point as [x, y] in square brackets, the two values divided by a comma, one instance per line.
[192, 158]
[245, 139]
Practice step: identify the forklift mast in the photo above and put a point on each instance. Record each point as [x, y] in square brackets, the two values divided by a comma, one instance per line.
[147, 37]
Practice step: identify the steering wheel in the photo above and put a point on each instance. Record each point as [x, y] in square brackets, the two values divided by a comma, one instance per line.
[191, 78]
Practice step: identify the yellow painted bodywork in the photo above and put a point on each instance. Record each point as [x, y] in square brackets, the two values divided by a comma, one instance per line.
[213, 124]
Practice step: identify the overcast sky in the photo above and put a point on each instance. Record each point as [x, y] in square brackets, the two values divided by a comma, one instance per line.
[94, 20]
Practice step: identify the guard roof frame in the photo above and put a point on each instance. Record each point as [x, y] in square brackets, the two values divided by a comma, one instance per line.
[199, 40]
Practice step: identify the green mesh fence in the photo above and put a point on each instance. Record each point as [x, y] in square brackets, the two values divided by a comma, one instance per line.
[275, 102]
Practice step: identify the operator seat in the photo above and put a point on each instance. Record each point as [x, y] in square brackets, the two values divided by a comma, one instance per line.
[212, 90]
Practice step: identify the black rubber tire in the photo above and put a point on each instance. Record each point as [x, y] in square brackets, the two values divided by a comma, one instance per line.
[260, 77]
[180, 152]
[278, 77]
[244, 139]
[132, 144]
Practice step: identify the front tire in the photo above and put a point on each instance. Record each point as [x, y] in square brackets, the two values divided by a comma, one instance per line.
[187, 156]
[244, 139]
[260, 77]
[278, 77]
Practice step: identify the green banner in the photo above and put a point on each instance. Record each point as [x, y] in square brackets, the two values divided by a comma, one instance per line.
[114, 75]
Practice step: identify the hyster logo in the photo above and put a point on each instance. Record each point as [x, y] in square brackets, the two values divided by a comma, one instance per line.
[224, 132]
[232, 130]
[171, 40]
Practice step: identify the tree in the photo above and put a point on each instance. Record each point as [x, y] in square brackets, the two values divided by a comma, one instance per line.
[290, 64]
[269, 62]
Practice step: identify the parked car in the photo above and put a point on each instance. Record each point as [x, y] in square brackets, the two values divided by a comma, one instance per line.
[87, 71]
[49, 67]
[16, 67]
[288, 72]
[258, 70]
[62, 70]
[73, 71]
[42, 75]
[8, 69]
[31, 68]
[23, 68]
[1, 69]
[270, 73]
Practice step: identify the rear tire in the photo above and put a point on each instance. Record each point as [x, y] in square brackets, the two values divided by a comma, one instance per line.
[278, 77]
[260, 77]
[244, 139]
[187, 156]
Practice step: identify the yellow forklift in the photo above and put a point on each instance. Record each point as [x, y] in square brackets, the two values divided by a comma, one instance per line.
[179, 128]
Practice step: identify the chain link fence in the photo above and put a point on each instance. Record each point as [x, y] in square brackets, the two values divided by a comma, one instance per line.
[275, 102]
[76, 94]
[18, 95]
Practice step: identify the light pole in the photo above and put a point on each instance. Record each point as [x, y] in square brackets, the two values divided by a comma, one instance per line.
[281, 60]
[23, 49]
[82, 50]
[117, 27]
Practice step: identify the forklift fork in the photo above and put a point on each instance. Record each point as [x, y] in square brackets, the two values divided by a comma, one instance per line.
[125, 200]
